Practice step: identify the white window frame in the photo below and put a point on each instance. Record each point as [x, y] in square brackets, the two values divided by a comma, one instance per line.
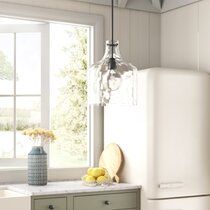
[96, 131]
[43, 29]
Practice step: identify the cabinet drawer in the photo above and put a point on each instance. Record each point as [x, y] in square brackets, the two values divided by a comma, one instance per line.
[127, 209]
[106, 201]
[50, 204]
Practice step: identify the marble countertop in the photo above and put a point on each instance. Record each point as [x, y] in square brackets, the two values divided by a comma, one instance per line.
[67, 187]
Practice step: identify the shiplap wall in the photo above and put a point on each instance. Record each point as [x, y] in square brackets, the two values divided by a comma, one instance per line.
[185, 37]
[138, 32]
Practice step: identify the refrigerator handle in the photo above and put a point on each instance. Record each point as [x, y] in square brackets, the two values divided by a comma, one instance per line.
[171, 185]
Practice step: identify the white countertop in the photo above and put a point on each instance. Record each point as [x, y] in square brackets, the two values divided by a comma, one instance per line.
[67, 187]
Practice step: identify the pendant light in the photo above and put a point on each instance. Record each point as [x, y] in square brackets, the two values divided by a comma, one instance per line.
[112, 80]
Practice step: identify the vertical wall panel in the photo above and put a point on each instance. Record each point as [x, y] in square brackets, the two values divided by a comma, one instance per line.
[139, 39]
[116, 23]
[179, 38]
[124, 33]
[154, 43]
[204, 35]
[105, 12]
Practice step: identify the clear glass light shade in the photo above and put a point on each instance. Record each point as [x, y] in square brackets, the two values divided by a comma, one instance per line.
[112, 86]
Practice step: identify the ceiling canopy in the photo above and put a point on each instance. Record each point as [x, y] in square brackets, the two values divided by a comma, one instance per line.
[145, 5]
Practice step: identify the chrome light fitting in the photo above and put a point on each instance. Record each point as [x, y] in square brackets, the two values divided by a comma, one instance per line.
[111, 80]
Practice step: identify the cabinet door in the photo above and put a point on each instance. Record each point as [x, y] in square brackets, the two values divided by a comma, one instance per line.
[50, 204]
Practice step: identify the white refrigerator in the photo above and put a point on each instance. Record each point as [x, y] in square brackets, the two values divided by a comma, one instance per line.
[165, 139]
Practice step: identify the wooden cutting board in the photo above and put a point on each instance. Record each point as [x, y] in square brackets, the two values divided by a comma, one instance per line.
[111, 159]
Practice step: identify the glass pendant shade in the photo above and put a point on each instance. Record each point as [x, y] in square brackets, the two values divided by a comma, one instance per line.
[112, 80]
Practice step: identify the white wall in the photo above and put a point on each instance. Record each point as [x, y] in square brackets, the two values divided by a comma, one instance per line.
[185, 37]
[138, 32]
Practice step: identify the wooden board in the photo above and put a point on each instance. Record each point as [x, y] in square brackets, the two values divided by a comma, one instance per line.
[111, 159]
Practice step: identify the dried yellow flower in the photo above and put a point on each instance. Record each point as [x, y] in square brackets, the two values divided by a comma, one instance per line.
[44, 134]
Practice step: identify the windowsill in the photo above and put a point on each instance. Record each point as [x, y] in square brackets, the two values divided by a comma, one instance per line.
[19, 174]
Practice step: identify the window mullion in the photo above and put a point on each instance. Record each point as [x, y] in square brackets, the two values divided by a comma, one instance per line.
[45, 86]
[45, 76]
[15, 72]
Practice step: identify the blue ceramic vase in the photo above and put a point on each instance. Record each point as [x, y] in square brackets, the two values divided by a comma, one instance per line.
[37, 166]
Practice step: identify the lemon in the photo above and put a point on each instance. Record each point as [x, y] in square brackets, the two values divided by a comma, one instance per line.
[96, 172]
[84, 177]
[101, 179]
[90, 179]
[89, 171]
[103, 171]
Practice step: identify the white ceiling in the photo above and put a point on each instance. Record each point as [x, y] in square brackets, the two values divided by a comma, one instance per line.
[145, 5]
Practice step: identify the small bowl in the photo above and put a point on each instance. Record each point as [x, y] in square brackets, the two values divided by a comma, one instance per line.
[94, 183]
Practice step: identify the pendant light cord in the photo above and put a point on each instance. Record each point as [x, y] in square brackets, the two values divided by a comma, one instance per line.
[112, 28]
[112, 62]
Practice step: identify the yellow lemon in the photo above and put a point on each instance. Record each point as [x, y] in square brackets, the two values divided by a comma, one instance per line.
[89, 171]
[101, 179]
[103, 171]
[90, 179]
[96, 172]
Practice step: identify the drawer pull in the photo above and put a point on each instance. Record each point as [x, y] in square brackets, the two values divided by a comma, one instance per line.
[107, 203]
[51, 207]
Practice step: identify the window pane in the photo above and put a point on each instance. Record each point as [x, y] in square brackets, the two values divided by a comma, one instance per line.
[6, 127]
[6, 63]
[69, 98]
[28, 63]
[28, 114]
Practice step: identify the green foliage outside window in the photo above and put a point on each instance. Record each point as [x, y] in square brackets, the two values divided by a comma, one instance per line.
[6, 69]
[70, 117]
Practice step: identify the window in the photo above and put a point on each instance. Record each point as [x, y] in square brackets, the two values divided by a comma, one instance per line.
[69, 62]
[43, 82]
[20, 88]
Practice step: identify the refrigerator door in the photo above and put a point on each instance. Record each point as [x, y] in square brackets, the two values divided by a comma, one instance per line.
[194, 203]
[166, 138]
[178, 133]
